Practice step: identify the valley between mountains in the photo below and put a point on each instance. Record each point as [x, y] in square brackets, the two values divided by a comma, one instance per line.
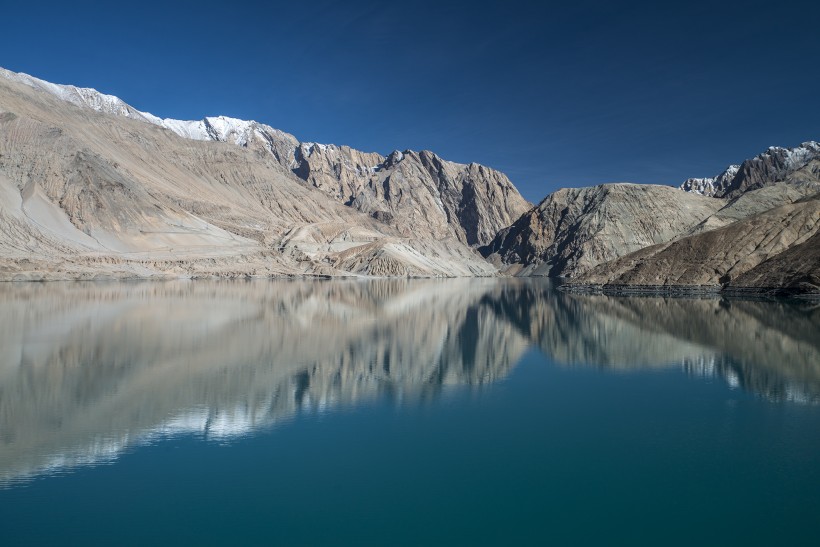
[92, 188]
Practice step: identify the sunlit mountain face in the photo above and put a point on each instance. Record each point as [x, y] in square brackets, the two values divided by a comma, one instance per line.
[88, 370]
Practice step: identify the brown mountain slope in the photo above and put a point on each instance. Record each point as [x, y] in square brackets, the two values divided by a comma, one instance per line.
[575, 229]
[743, 255]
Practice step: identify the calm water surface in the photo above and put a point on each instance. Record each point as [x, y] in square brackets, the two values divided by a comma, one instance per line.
[404, 413]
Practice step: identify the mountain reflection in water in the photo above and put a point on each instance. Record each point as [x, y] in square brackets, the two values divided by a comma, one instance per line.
[87, 370]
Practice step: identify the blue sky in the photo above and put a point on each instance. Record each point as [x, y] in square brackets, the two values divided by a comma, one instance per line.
[553, 94]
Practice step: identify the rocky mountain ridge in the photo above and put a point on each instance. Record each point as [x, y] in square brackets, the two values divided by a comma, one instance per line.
[726, 258]
[411, 191]
[90, 187]
[712, 236]
[773, 165]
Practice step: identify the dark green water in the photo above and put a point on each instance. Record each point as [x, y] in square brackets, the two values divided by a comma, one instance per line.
[404, 413]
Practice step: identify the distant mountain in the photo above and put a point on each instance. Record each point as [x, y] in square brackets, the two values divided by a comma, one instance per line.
[710, 186]
[774, 165]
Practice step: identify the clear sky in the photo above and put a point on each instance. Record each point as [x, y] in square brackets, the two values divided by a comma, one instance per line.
[558, 94]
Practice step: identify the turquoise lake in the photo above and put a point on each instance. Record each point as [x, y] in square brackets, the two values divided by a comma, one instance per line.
[404, 412]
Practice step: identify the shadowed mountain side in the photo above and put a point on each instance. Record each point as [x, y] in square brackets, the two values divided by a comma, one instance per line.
[721, 258]
[89, 369]
[416, 192]
[795, 270]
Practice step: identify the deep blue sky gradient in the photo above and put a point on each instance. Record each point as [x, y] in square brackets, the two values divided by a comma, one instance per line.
[553, 94]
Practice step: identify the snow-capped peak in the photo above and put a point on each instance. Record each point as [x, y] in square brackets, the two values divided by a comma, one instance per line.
[772, 165]
[80, 96]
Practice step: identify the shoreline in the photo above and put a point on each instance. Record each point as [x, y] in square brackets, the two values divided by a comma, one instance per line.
[689, 291]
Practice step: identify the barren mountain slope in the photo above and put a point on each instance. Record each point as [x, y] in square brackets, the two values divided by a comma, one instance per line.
[84, 192]
[727, 257]
[419, 194]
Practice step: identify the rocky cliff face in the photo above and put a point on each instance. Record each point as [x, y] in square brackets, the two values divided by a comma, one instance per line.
[418, 194]
[575, 229]
[762, 240]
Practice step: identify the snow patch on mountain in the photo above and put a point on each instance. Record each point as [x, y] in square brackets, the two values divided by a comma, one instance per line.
[795, 158]
[773, 165]
[710, 186]
[217, 128]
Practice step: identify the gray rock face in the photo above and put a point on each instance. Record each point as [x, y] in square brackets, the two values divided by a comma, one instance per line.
[762, 240]
[757, 201]
[575, 229]
[417, 192]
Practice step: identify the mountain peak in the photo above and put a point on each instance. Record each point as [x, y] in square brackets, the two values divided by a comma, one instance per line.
[773, 165]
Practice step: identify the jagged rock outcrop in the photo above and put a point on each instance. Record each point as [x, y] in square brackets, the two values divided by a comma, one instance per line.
[727, 258]
[710, 186]
[776, 164]
[91, 187]
[419, 194]
[575, 229]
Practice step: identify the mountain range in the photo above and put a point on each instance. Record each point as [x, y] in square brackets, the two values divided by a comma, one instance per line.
[91, 187]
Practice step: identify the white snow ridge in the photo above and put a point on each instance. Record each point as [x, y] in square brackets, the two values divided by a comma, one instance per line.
[215, 128]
